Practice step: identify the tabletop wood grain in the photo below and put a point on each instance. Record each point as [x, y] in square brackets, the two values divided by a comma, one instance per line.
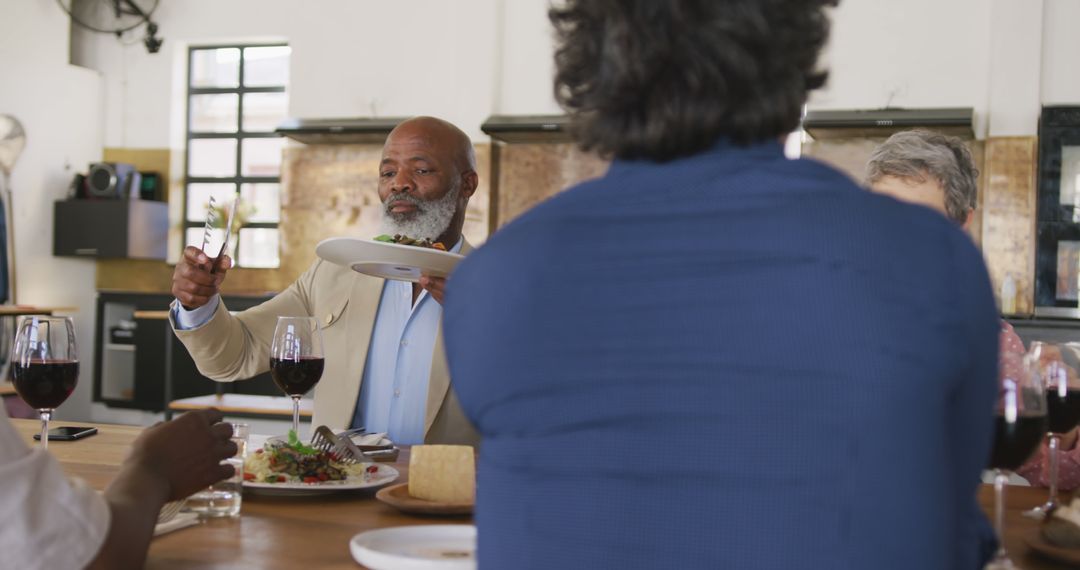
[272, 532]
[314, 531]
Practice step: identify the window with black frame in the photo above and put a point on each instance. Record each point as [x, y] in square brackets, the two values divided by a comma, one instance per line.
[236, 96]
[1058, 222]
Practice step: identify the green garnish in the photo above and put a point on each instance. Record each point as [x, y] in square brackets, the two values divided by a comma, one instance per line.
[384, 238]
[295, 443]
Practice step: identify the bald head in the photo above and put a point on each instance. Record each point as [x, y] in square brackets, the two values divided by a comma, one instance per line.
[442, 137]
[426, 176]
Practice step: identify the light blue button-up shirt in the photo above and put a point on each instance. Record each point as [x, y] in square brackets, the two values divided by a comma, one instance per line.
[393, 393]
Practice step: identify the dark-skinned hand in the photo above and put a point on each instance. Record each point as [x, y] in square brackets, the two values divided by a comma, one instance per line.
[193, 284]
[185, 453]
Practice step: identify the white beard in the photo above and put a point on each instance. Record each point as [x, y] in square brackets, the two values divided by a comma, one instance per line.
[430, 220]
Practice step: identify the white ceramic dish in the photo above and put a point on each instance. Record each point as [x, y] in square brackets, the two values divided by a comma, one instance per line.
[387, 260]
[423, 547]
[385, 476]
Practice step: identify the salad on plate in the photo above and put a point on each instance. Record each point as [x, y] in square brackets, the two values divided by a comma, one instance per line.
[293, 461]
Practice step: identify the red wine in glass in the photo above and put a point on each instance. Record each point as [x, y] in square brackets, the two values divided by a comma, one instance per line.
[1057, 367]
[1019, 427]
[296, 377]
[1015, 441]
[1064, 410]
[45, 365]
[296, 358]
[45, 384]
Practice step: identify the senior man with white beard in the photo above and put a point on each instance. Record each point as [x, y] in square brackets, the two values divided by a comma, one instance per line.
[385, 364]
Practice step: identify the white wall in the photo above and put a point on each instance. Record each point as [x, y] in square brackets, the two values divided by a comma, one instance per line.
[1001, 57]
[1060, 47]
[916, 53]
[60, 107]
[527, 68]
[1015, 77]
[349, 59]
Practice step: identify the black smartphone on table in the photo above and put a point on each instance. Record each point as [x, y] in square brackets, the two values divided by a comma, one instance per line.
[68, 433]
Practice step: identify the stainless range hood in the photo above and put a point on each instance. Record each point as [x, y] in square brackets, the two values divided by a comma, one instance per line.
[372, 130]
[957, 121]
[527, 128]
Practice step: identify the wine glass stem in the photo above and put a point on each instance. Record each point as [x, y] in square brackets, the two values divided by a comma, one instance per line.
[296, 415]
[1000, 479]
[1055, 445]
[45, 415]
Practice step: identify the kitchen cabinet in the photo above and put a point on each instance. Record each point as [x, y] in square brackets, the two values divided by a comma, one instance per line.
[149, 367]
[136, 229]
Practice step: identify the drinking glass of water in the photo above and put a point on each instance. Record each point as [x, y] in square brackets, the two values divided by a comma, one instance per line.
[222, 499]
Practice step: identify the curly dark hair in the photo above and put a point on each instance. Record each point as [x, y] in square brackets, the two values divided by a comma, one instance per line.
[660, 79]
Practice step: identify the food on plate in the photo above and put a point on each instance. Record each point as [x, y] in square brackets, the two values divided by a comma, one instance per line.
[406, 240]
[442, 473]
[1062, 526]
[293, 462]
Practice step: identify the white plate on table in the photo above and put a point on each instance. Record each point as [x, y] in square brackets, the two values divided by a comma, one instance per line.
[387, 260]
[385, 475]
[423, 547]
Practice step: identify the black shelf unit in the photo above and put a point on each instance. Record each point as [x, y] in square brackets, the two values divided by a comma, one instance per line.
[156, 368]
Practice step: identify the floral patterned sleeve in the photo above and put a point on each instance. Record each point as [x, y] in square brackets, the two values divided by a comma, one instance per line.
[1010, 341]
[1037, 469]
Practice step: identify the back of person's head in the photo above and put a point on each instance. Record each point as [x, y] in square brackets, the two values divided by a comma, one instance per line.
[657, 80]
[920, 155]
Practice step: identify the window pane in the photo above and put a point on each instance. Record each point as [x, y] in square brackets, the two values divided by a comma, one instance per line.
[258, 247]
[198, 196]
[212, 157]
[261, 157]
[1067, 255]
[215, 67]
[194, 236]
[213, 113]
[266, 66]
[265, 200]
[264, 111]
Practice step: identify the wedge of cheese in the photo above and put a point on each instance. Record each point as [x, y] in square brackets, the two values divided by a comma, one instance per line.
[442, 473]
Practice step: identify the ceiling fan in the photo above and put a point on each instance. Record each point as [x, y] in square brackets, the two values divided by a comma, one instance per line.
[115, 17]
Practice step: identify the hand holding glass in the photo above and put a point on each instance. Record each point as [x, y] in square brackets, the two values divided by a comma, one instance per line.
[45, 365]
[297, 359]
[223, 499]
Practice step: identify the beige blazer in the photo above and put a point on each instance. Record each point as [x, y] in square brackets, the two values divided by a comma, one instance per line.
[237, 346]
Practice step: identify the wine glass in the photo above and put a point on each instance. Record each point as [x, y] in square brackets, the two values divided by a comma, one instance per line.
[1019, 426]
[45, 365]
[1056, 366]
[296, 359]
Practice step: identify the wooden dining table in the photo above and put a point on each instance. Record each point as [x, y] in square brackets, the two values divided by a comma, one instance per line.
[287, 532]
[314, 531]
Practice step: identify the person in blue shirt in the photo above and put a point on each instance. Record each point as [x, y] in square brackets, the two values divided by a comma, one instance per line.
[713, 356]
[385, 363]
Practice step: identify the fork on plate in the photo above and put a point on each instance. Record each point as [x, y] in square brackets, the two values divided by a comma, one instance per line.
[342, 447]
